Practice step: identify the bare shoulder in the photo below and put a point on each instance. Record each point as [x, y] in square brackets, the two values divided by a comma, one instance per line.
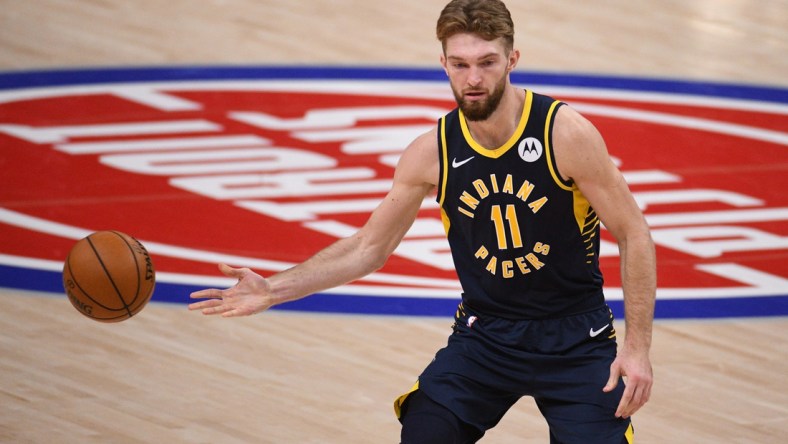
[579, 147]
[419, 161]
[581, 155]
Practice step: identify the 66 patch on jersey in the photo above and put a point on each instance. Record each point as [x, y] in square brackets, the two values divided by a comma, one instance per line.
[263, 166]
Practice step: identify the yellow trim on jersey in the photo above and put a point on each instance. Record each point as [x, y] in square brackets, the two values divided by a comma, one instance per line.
[444, 179]
[401, 400]
[548, 149]
[581, 206]
[501, 150]
[630, 434]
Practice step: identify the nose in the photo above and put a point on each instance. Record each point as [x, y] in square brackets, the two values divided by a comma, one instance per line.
[474, 76]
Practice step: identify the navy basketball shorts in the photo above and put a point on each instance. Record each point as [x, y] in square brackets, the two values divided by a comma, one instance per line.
[490, 363]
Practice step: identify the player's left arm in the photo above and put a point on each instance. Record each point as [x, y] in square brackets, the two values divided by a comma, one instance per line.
[582, 156]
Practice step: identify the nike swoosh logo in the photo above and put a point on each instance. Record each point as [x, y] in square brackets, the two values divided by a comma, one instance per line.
[455, 164]
[594, 333]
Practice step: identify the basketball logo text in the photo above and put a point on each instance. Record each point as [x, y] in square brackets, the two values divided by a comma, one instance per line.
[296, 165]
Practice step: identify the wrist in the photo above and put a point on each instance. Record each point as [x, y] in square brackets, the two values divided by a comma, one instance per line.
[637, 342]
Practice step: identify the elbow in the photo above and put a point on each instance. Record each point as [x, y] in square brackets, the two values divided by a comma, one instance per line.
[377, 264]
[636, 232]
[640, 241]
[377, 259]
[373, 255]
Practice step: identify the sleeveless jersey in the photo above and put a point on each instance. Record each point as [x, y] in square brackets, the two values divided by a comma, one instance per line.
[525, 242]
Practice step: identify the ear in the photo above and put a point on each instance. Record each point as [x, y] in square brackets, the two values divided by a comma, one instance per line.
[443, 63]
[514, 57]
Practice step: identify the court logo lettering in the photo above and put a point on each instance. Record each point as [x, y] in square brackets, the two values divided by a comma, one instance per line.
[263, 172]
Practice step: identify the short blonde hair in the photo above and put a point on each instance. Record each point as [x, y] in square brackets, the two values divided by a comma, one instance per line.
[489, 19]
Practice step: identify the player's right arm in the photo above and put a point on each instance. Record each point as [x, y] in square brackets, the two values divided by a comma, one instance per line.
[345, 260]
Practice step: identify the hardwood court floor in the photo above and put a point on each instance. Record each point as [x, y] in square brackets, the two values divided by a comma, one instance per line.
[727, 40]
[173, 376]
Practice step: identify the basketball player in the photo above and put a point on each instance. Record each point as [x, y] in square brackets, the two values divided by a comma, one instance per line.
[523, 183]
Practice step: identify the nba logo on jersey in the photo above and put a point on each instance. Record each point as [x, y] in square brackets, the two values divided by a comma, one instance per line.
[530, 149]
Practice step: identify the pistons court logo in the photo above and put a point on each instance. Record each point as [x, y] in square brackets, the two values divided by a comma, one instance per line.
[262, 167]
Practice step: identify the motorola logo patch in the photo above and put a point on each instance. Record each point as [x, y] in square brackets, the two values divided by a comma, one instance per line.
[530, 149]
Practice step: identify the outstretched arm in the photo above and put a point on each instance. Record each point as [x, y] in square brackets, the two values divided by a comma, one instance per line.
[582, 156]
[345, 260]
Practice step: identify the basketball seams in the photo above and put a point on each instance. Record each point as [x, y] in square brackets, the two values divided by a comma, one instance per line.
[82, 290]
[143, 264]
[109, 276]
[73, 279]
[136, 269]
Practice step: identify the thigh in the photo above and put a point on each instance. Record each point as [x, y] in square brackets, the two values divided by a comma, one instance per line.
[424, 421]
[472, 377]
[466, 390]
[578, 423]
[568, 386]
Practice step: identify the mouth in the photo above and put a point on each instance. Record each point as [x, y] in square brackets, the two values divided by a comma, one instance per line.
[475, 95]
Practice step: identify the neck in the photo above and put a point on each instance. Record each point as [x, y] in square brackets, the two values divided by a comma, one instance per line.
[493, 132]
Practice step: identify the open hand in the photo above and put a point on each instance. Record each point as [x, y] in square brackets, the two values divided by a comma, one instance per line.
[250, 295]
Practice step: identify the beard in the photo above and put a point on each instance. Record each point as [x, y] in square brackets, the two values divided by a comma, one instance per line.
[480, 109]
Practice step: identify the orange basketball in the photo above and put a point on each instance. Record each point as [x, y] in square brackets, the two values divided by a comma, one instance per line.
[109, 276]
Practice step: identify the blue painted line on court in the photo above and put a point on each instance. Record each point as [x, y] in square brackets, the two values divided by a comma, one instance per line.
[761, 306]
[86, 76]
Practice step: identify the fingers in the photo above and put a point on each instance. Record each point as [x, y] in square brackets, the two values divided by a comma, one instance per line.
[216, 307]
[623, 410]
[612, 381]
[235, 312]
[229, 271]
[214, 293]
[228, 302]
[205, 304]
[636, 392]
[213, 299]
[211, 293]
[635, 396]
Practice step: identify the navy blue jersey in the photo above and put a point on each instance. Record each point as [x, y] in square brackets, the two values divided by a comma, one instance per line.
[525, 242]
